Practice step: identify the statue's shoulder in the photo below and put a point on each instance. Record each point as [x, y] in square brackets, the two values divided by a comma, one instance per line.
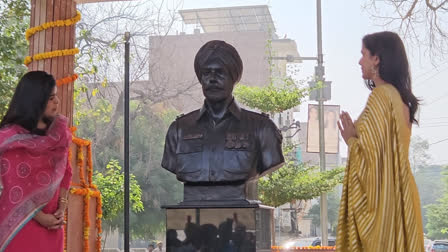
[262, 120]
[188, 116]
[255, 115]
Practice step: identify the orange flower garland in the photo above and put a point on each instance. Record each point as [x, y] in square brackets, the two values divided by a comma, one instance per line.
[66, 80]
[59, 23]
[73, 129]
[57, 53]
[79, 163]
[65, 229]
[86, 220]
[89, 165]
[299, 249]
[87, 190]
[49, 55]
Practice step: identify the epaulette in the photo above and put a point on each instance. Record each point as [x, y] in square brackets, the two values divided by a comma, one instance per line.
[265, 115]
[255, 113]
[187, 114]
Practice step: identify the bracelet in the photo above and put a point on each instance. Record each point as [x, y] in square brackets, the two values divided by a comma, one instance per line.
[63, 200]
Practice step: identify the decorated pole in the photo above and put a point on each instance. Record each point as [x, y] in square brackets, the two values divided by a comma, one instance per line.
[52, 39]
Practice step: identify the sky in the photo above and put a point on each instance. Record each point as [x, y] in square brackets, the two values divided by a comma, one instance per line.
[343, 26]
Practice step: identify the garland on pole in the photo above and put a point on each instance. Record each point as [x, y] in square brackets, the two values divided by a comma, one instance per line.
[87, 190]
[58, 23]
[317, 248]
[49, 55]
[66, 80]
[58, 53]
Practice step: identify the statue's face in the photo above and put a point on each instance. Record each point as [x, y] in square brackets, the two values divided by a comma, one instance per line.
[217, 84]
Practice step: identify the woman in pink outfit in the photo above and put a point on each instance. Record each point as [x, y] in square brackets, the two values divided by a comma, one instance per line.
[34, 170]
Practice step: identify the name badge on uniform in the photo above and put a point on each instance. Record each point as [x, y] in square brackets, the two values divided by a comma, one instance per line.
[193, 136]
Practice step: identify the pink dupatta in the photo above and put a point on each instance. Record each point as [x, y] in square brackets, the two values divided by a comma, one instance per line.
[31, 170]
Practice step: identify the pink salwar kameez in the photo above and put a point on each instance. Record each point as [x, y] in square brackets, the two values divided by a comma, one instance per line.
[33, 168]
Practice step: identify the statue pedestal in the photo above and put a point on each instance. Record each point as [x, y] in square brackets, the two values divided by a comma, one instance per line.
[219, 227]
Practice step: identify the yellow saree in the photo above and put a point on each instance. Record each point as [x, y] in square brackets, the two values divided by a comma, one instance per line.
[380, 205]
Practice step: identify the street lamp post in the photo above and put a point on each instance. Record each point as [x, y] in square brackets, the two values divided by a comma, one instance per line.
[323, 94]
[319, 76]
[126, 143]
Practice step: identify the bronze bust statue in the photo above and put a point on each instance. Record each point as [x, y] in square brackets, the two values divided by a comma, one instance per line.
[217, 149]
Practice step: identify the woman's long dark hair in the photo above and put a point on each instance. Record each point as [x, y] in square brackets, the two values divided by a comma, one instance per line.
[393, 67]
[29, 100]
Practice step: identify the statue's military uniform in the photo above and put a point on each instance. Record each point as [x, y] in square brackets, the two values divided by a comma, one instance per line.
[241, 146]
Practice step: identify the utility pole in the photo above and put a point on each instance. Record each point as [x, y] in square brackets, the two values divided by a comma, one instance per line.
[319, 72]
[323, 93]
[127, 36]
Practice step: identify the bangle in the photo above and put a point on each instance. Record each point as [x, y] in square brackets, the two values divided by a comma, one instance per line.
[63, 200]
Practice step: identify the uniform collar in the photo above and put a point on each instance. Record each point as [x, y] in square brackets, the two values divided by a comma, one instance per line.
[233, 108]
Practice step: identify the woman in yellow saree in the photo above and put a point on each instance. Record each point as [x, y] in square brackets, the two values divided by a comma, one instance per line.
[380, 205]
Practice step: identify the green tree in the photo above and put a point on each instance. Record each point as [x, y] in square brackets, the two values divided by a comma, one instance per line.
[418, 153]
[438, 219]
[438, 214]
[110, 183]
[297, 182]
[427, 177]
[333, 212]
[430, 183]
[99, 100]
[14, 20]
[293, 181]
[274, 98]
[159, 186]
[147, 128]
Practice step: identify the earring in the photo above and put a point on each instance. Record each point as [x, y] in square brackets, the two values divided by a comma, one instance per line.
[374, 71]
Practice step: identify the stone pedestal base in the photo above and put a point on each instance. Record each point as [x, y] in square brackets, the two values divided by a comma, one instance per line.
[244, 228]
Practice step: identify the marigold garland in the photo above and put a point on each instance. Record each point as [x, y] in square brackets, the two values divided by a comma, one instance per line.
[88, 193]
[86, 220]
[66, 80]
[58, 53]
[87, 190]
[80, 142]
[65, 230]
[307, 248]
[73, 129]
[89, 165]
[49, 55]
[79, 164]
[58, 23]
